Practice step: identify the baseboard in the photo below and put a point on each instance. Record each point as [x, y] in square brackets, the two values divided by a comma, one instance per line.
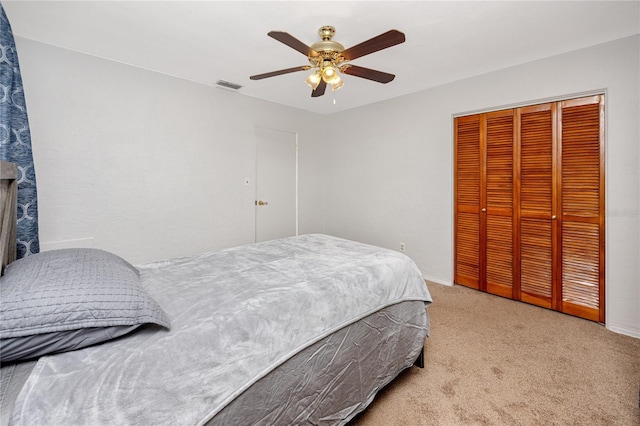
[633, 332]
[438, 280]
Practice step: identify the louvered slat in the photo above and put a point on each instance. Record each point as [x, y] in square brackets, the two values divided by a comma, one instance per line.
[500, 255]
[467, 253]
[468, 164]
[536, 161]
[580, 258]
[500, 162]
[581, 160]
[536, 263]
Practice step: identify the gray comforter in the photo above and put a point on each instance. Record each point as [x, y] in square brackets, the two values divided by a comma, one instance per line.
[236, 315]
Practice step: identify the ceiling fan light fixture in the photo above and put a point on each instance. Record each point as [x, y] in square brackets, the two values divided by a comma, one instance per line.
[330, 75]
[336, 86]
[313, 80]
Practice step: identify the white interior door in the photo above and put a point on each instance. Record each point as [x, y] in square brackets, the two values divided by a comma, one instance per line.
[276, 184]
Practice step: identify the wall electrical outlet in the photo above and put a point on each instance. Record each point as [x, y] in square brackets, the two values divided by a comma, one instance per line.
[402, 247]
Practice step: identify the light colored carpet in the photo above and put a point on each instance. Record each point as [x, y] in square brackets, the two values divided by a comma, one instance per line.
[494, 361]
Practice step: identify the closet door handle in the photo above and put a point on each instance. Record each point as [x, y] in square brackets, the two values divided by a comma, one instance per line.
[484, 210]
[554, 217]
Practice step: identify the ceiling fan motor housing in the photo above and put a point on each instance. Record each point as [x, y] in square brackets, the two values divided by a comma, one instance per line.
[328, 49]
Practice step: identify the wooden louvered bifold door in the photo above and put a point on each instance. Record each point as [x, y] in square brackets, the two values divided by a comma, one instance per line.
[529, 204]
[581, 208]
[536, 204]
[498, 213]
[467, 201]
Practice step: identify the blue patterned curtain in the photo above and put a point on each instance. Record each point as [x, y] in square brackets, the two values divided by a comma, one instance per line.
[15, 140]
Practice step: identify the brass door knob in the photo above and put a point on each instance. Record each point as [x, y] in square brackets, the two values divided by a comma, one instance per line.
[262, 203]
[554, 217]
[484, 210]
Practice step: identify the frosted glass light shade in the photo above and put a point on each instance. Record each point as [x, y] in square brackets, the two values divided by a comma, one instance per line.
[313, 80]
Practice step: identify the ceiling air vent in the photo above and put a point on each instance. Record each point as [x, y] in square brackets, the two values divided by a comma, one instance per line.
[228, 85]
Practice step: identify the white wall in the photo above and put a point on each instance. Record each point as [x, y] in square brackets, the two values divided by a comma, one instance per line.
[390, 174]
[147, 165]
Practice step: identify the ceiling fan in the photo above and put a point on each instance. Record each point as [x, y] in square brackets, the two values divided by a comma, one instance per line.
[329, 58]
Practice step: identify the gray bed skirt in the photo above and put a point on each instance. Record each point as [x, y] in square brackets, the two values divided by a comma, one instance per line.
[325, 384]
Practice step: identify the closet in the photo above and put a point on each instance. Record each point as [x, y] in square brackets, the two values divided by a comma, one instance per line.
[529, 204]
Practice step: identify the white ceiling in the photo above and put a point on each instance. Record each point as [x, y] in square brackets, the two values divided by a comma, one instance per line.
[207, 41]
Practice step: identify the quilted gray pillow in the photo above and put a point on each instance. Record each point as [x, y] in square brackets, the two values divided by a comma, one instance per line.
[66, 299]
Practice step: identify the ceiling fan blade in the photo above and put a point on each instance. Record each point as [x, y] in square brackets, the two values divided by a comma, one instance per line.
[369, 74]
[292, 42]
[279, 72]
[319, 91]
[388, 39]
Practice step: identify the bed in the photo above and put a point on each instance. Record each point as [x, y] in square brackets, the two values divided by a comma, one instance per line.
[300, 330]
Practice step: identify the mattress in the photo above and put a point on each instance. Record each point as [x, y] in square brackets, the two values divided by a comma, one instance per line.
[302, 330]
